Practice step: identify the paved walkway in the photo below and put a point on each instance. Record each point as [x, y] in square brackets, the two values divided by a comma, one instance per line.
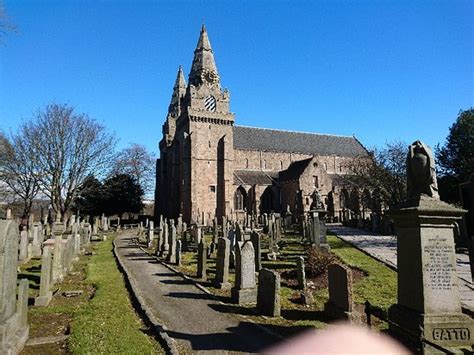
[384, 248]
[195, 320]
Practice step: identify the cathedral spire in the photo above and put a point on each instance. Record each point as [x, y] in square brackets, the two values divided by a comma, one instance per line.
[203, 69]
[180, 82]
[179, 90]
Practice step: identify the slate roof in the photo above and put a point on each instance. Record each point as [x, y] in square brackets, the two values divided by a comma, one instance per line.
[251, 138]
[295, 170]
[254, 177]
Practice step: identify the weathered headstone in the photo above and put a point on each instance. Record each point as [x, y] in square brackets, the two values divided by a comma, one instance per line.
[244, 290]
[178, 252]
[23, 255]
[13, 327]
[202, 261]
[268, 293]
[36, 243]
[222, 263]
[171, 257]
[255, 238]
[57, 259]
[45, 294]
[340, 292]
[300, 272]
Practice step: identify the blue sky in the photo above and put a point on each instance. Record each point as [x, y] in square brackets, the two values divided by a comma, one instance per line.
[382, 70]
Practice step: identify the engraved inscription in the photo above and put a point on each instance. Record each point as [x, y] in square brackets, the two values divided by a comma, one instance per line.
[438, 265]
[451, 334]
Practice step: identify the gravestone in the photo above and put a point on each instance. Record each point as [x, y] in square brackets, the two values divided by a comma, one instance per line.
[268, 293]
[159, 242]
[428, 292]
[340, 303]
[222, 264]
[23, 255]
[45, 294]
[255, 238]
[13, 327]
[178, 253]
[8, 214]
[215, 230]
[171, 257]
[202, 261]
[165, 245]
[57, 259]
[36, 243]
[244, 290]
[315, 233]
[300, 272]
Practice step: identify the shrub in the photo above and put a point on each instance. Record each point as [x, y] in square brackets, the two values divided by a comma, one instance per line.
[318, 261]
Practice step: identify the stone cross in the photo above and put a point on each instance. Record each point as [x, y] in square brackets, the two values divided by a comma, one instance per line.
[222, 263]
[268, 293]
[45, 294]
[244, 290]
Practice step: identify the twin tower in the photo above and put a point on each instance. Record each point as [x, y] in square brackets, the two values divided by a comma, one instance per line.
[195, 168]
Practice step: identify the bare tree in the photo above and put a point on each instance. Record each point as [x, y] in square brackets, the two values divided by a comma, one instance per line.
[384, 176]
[137, 162]
[17, 171]
[66, 147]
[5, 24]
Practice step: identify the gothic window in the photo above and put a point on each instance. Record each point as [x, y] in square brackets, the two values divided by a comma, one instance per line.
[315, 181]
[246, 163]
[281, 165]
[210, 103]
[325, 166]
[240, 199]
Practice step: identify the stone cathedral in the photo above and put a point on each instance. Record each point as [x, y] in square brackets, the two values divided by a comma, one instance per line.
[209, 166]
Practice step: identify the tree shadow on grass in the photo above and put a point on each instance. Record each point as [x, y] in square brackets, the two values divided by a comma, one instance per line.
[36, 268]
[34, 280]
[275, 266]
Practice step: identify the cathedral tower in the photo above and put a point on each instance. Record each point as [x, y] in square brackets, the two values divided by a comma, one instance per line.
[196, 152]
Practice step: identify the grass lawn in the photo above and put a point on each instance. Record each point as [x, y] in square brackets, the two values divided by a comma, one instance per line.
[101, 320]
[377, 284]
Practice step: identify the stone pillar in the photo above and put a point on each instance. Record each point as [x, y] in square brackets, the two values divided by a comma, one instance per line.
[23, 255]
[222, 264]
[202, 261]
[45, 294]
[268, 293]
[171, 257]
[178, 253]
[244, 290]
[428, 290]
[255, 238]
[300, 272]
[22, 304]
[57, 259]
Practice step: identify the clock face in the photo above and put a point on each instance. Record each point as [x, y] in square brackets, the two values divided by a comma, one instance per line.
[209, 76]
[210, 103]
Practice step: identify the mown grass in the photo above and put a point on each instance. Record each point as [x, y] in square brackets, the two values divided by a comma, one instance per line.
[379, 287]
[108, 324]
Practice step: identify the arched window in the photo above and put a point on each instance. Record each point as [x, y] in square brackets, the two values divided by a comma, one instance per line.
[325, 166]
[246, 163]
[240, 197]
[281, 165]
[264, 164]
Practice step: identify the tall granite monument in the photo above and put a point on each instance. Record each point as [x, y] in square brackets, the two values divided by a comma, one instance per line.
[428, 291]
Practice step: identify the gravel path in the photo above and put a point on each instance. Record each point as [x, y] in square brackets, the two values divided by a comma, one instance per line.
[195, 320]
[384, 249]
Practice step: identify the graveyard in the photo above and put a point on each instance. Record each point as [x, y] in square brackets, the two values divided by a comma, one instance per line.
[328, 210]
